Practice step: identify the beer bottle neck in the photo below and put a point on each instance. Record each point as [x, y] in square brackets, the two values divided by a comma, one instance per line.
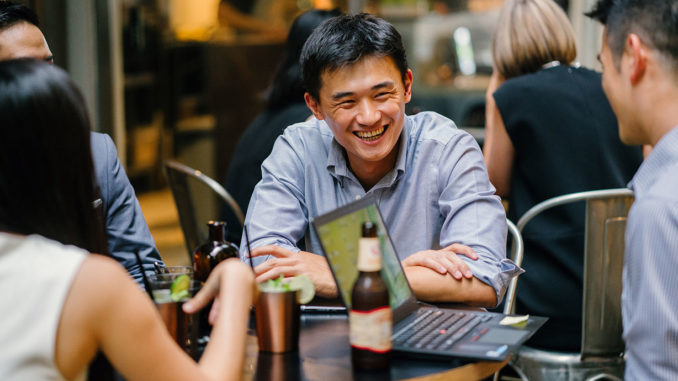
[369, 254]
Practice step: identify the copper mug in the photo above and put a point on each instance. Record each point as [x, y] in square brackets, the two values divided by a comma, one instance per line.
[278, 318]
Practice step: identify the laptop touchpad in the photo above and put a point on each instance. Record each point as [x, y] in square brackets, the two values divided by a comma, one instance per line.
[502, 336]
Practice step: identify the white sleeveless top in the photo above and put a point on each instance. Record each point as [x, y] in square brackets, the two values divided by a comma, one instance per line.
[35, 276]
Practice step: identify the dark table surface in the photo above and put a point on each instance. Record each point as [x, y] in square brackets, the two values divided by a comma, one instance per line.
[325, 354]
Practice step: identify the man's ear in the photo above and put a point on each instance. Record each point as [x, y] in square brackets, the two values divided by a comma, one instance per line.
[637, 52]
[314, 106]
[409, 78]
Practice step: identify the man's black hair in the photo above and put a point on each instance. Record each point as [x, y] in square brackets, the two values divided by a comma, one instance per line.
[344, 41]
[11, 14]
[654, 21]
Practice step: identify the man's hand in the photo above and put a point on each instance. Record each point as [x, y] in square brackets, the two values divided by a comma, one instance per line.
[444, 261]
[289, 263]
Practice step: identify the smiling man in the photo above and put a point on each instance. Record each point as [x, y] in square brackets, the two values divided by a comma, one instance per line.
[428, 176]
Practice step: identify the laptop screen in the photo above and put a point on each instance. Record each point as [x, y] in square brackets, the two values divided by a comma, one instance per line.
[339, 232]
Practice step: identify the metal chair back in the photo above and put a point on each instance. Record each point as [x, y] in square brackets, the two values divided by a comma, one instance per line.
[603, 264]
[517, 248]
[606, 214]
[178, 176]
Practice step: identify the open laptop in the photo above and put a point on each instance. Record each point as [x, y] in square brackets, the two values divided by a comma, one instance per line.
[417, 327]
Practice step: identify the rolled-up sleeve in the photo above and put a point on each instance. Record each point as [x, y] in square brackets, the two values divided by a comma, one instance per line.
[473, 214]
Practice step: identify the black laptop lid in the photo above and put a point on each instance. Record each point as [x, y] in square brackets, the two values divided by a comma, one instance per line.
[339, 231]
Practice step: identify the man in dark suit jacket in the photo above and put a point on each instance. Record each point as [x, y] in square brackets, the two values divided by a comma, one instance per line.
[126, 228]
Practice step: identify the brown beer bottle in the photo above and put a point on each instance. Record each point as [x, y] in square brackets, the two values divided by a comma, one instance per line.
[208, 255]
[370, 317]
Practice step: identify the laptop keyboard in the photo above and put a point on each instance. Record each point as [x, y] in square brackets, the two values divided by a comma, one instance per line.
[435, 329]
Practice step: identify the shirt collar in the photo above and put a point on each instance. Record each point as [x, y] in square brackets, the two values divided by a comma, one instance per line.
[338, 167]
[663, 155]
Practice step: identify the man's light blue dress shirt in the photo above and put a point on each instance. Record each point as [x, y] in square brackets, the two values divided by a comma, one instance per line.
[650, 281]
[438, 193]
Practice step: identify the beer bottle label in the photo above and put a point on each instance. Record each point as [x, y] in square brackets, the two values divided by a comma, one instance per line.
[371, 330]
[369, 254]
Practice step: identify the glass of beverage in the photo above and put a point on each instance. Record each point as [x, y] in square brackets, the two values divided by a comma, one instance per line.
[179, 270]
[169, 292]
[278, 314]
[278, 318]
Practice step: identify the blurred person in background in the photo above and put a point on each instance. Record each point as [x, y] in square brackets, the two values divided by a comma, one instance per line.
[640, 77]
[550, 131]
[126, 229]
[285, 106]
[237, 15]
[61, 304]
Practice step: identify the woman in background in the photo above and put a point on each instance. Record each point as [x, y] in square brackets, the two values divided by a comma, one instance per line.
[285, 107]
[550, 131]
[61, 304]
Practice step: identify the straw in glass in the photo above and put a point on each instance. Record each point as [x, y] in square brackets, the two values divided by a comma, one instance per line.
[249, 249]
[147, 284]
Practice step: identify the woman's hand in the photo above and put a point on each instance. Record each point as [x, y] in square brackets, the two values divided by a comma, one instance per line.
[231, 273]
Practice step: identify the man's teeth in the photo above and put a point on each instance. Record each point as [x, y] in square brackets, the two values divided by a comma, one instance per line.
[370, 134]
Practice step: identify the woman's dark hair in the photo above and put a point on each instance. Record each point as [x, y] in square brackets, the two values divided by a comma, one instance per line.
[46, 170]
[288, 86]
[345, 40]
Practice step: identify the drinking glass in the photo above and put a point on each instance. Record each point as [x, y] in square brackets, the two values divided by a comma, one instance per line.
[277, 314]
[181, 326]
[188, 270]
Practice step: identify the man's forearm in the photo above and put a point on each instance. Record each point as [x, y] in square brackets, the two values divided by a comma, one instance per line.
[431, 286]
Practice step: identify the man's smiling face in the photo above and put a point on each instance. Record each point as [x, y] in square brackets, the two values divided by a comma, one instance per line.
[364, 105]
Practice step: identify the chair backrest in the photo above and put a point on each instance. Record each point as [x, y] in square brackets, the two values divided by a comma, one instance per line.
[178, 176]
[517, 248]
[606, 213]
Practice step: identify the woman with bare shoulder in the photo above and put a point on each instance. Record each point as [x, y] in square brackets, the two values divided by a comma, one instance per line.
[60, 303]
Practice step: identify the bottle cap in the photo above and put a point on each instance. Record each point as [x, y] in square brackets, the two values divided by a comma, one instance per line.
[369, 229]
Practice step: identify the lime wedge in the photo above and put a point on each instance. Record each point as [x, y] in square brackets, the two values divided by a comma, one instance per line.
[304, 286]
[179, 288]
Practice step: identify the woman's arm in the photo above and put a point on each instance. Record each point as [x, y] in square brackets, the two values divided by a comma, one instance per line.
[233, 283]
[106, 310]
[498, 149]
